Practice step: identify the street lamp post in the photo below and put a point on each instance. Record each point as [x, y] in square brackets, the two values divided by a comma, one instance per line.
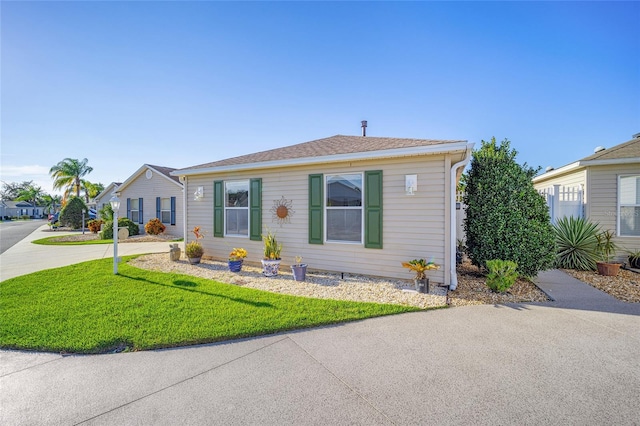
[115, 206]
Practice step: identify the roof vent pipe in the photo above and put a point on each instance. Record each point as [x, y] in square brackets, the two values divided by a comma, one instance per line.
[364, 127]
[598, 149]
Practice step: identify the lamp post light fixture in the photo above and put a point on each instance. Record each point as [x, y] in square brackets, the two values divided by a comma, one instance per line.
[115, 206]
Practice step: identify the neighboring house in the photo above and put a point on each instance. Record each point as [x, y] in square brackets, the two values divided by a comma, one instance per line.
[351, 204]
[605, 186]
[103, 198]
[20, 208]
[151, 192]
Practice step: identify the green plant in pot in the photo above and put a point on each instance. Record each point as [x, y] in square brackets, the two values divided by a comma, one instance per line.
[272, 250]
[420, 266]
[299, 269]
[193, 249]
[606, 248]
[634, 259]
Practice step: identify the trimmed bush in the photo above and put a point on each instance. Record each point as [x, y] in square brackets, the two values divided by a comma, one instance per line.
[502, 275]
[106, 213]
[154, 227]
[107, 229]
[94, 225]
[71, 213]
[576, 243]
[506, 218]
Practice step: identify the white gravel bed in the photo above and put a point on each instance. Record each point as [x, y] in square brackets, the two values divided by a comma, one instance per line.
[321, 285]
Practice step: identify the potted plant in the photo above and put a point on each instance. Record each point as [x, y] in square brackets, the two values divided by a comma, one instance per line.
[194, 249]
[271, 260]
[419, 266]
[606, 247]
[460, 249]
[634, 259]
[299, 269]
[236, 257]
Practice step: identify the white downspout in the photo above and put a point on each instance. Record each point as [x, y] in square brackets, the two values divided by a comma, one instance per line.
[184, 211]
[453, 276]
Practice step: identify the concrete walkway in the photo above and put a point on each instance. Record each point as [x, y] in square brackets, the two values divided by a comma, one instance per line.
[25, 257]
[573, 361]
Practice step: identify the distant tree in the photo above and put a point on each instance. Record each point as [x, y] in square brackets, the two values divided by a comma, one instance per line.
[506, 218]
[68, 174]
[71, 213]
[33, 195]
[91, 190]
[11, 191]
[51, 202]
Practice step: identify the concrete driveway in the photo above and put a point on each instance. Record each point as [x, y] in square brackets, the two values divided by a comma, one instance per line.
[572, 361]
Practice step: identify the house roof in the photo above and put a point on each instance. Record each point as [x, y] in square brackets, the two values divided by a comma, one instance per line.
[165, 172]
[330, 149]
[110, 189]
[624, 153]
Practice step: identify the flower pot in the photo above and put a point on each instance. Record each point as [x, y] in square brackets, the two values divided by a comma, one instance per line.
[270, 267]
[194, 260]
[422, 286]
[235, 265]
[299, 272]
[634, 262]
[174, 252]
[608, 269]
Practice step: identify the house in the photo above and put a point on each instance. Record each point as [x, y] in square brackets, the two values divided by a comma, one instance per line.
[152, 192]
[103, 198]
[352, 204]
[9, 209]
[607, 185]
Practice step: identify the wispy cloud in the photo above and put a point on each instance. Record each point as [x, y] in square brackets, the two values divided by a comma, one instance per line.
[15, 171]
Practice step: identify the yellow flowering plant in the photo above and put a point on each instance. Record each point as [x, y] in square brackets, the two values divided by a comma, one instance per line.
[419, 266]
[237, 254]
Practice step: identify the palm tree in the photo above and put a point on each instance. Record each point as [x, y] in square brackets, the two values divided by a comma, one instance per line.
[33, 195]
[68, 174]
[51, 202]
[91, 190]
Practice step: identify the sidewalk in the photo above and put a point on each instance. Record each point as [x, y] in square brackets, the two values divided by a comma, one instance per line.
[25, 257]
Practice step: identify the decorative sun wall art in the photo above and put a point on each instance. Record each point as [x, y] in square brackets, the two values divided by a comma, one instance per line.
[281, 211]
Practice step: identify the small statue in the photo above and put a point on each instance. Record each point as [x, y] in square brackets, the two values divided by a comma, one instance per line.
[174, 252]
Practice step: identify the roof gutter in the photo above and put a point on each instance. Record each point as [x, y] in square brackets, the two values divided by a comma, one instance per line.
[386, 153]
[453, 275]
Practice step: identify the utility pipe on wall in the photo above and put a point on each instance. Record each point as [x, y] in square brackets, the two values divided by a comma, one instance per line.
[453, 276]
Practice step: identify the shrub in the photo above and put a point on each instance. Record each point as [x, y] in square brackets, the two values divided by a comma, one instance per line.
[71, 213]
[502, 274]
[576, 243]
[154, 227]
[106, 213]
[94, 225]
[107, 229]
[194, 249]
[506, 218]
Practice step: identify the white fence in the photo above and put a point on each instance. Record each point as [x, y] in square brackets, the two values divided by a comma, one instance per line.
[564, 201]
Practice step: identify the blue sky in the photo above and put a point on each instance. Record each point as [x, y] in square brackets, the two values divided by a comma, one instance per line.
[183, 83]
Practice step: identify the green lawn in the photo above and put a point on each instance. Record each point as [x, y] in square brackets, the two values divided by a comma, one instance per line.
[84, 308]
[55, 241]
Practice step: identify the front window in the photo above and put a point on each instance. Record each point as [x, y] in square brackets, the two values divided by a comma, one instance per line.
[236, 208]
[165, 210]
[344, 208]
[135, 210]
[629, 202]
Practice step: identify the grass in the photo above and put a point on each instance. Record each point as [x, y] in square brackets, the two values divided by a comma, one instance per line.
[85, 308]
[55, 241]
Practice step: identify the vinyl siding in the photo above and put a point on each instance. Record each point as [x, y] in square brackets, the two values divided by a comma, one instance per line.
[602, 190]
[149, 189]
[571, 179]
[414, 226]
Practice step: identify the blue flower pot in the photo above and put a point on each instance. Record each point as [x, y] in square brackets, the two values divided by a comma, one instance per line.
[235, 265]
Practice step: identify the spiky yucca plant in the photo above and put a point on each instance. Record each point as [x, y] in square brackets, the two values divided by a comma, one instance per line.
[576, 243]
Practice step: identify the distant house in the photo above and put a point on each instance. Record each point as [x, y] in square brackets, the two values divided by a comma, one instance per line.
[103, 198]
[9, 209]
[352, 204]
[603, 187]
[152, 192]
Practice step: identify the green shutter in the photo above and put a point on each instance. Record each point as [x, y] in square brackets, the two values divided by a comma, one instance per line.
[316, 206]
[373, 209]
[255, 209]
[218, 208]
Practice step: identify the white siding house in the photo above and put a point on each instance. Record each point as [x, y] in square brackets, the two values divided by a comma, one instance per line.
[103, 198]
[351, 204]
[152, 192]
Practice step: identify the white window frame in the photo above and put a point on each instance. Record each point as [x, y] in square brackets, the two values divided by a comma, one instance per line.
[226, 221]
[137, 210]
[620, 204]
[163, 210]
[328, 208]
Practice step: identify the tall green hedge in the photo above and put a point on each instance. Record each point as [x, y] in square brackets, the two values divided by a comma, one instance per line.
[71, 213]
[506, 218]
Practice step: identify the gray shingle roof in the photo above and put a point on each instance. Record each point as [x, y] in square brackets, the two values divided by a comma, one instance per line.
[629, 149]
[334, 145]
[165, 171]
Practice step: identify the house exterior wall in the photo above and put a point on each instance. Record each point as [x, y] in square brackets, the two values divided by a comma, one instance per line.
[571, 179]
[602, 189]
[148, 190]
[413, 225]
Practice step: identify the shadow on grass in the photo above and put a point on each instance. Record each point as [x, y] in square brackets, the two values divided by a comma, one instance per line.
[188, 286]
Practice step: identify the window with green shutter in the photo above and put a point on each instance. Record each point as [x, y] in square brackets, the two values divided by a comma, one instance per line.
[218, 208]
[255, 209]
[316, 207]
[373, 209]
